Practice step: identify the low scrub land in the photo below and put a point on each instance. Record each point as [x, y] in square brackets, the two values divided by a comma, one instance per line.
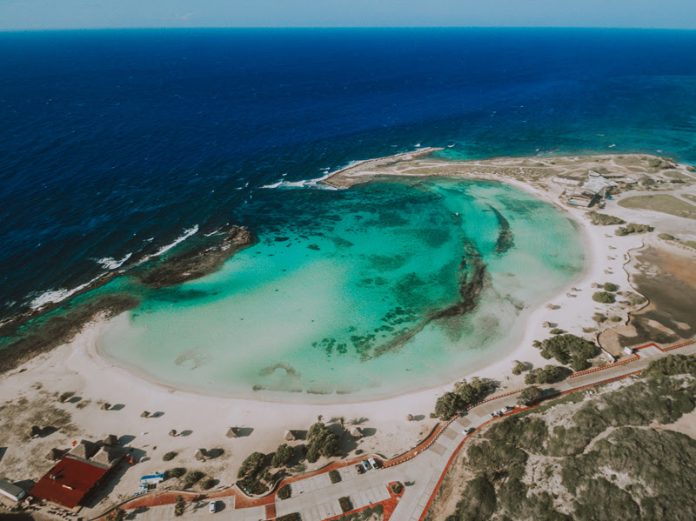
[632, 228]
[661, 203]
[606, 455]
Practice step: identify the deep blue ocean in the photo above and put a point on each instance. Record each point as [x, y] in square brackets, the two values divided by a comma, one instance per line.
[113, 143]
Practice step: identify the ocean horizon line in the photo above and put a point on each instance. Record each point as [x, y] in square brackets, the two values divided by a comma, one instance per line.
[350, 28]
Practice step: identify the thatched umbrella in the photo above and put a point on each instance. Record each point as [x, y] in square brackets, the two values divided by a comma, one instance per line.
[173, 433]
[110, 441]
[200, 454]
[145, 414]
[410, 417]
[233, 432]
[290, 436]
[356, 432]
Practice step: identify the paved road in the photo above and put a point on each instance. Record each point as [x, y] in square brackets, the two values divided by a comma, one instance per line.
[316, 498]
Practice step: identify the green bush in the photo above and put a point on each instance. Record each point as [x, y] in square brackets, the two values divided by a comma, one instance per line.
[283, 455]
[672, 365]
[209, 483]
[604, 297]
[556, 331]
[465, 395]
[169, 456]
[192, 478]
[521, 367]
[478, 501]
[179, 506]
[176, 472]
[547, 375]
[602, 219]
[335, 476]
[570, 349]
[346, 504]
[530, 395]
[322, 441]
[253, 466]
[632, 228]
[610, 287]
[285, 492]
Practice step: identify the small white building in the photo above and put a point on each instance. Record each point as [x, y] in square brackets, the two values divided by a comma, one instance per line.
[11, 491]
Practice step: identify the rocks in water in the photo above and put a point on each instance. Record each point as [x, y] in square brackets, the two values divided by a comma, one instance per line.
[196, 262]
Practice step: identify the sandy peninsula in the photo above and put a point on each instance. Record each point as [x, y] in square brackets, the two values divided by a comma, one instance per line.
[106, 399]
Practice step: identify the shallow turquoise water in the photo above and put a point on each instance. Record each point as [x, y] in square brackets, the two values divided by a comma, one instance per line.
[339, 294]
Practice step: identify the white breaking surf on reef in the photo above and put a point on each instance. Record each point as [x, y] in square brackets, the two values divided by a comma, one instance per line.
[110, 263]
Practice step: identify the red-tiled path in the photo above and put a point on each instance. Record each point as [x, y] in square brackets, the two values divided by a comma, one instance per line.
[268, 501]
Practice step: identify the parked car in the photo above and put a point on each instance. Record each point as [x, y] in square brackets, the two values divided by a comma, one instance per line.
[366, 465]
[376, 464]
[468, 430]
[213, 507]
[359, 467]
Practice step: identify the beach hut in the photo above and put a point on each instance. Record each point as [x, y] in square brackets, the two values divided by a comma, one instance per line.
[106, 456]
[152, 479]
[83, 449]
[11, 491]
[55, 454]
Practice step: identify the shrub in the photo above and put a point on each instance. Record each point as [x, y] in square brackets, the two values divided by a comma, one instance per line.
[478, 501]
[295, 516]
[666, 237]
[346, 504]
[530, 395]
[322, 441]
[253, 466]
[285, 492]
[209, 483]
[671, 365]
[169, 456]
[556, 331]
[602, 219]
[465, 395]
[176, 472]
[633, 228]
[335, 476]
[520, 367]
[396, 487]
[192, 478]
[179, 506]
[611, 287]
[604, 297]
[569, 349]
[283, 455]
[548, 375]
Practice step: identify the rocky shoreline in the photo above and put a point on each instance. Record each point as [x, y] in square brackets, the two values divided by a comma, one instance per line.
[36, 332]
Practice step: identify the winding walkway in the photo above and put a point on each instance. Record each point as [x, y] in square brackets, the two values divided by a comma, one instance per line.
[422, 468]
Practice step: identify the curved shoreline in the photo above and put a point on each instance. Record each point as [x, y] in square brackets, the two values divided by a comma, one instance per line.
[357, 172]
[510, 346]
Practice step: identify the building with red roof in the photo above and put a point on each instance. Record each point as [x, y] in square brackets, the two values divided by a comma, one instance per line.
[71, 480]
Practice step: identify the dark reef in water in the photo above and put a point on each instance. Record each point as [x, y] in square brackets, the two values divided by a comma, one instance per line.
[506, 239]
[60, 328]
[473, 278]
[35, 332]
[197, 262]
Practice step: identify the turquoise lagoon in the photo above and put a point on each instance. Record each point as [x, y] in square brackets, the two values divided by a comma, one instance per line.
[343, 294]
